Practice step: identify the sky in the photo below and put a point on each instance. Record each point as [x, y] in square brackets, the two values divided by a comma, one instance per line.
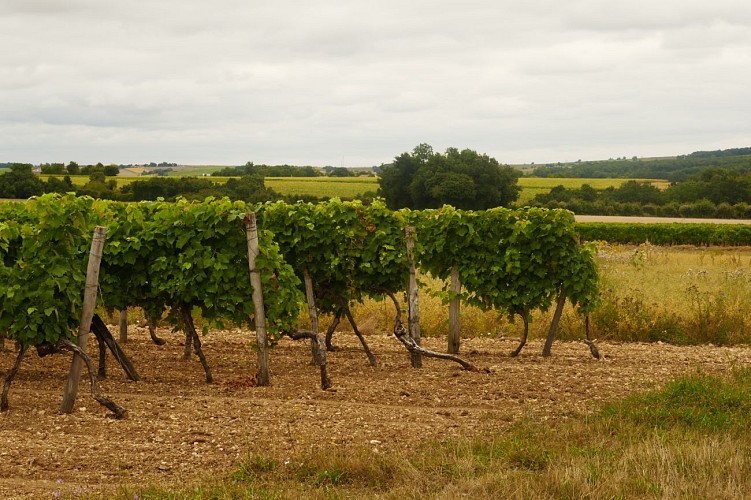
[356, 83]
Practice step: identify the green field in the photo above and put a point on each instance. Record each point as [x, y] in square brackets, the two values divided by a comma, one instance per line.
[343, 187]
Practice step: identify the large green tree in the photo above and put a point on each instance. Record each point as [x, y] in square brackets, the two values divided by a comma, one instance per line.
[464, 179]
[20, 182]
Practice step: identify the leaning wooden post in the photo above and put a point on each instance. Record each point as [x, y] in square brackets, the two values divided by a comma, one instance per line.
[124, 326]
[263, 378]
[554, 323]
[89, 303]
[318, 343]
[454, 291]
[413, 299]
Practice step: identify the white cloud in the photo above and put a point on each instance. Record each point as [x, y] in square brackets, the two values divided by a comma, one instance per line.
[361, 82]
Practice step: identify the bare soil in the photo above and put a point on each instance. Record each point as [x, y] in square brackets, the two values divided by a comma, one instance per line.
[180, 429]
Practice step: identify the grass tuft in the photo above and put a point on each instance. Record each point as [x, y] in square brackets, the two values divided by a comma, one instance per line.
[697, 402]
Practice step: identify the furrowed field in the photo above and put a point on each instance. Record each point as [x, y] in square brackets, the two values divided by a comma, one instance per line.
[664, 413]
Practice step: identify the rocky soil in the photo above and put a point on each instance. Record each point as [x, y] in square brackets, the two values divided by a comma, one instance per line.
[180, 429]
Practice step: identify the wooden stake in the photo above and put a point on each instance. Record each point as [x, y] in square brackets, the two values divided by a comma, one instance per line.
[89, 303]
[455, 290]
[371, 358]
[318, 344]
[124, 326]
[554, 324]
[413, 300]
[263, 378]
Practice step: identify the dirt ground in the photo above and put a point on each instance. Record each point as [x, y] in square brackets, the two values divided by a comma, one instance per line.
[180, 429]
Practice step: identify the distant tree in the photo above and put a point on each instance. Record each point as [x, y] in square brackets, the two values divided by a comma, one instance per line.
[250, 188]
[394, 182]
[587, 193]
[723, 186]
[702, 209]
[97, 176]
[557, 194]
[341, 172]
[227, 172]
[464, 179]
[638, 192]
[111, 170]
[52, 168]
[99, 187]
[267, 171]
[73, 168]
[445, 188]
[20, 182]
[56, 185]
[168, 188]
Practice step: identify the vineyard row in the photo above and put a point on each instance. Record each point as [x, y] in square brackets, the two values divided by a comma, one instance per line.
[178, 257]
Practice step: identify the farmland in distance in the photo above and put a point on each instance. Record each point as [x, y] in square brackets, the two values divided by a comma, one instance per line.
[350, 187]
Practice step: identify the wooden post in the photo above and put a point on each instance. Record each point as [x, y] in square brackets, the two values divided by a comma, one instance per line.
[554, 323]
[89, 303]
[413, 299]
[263, 378]
[312, 313]
[317, 344]
[124, 326]
[454, 291]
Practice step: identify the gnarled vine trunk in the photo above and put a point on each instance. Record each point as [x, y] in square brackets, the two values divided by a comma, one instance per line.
[402, 335]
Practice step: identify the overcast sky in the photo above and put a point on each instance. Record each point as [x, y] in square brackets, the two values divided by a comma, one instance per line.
[356, 83]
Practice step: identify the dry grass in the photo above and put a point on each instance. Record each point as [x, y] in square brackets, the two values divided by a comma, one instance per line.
[681, 295]
[678, 295]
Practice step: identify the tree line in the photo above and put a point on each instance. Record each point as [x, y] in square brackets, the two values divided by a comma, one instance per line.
[74, 168]
[20, 182]
[672, 169]
[720, 185]
[284, 171]
[715, 193]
